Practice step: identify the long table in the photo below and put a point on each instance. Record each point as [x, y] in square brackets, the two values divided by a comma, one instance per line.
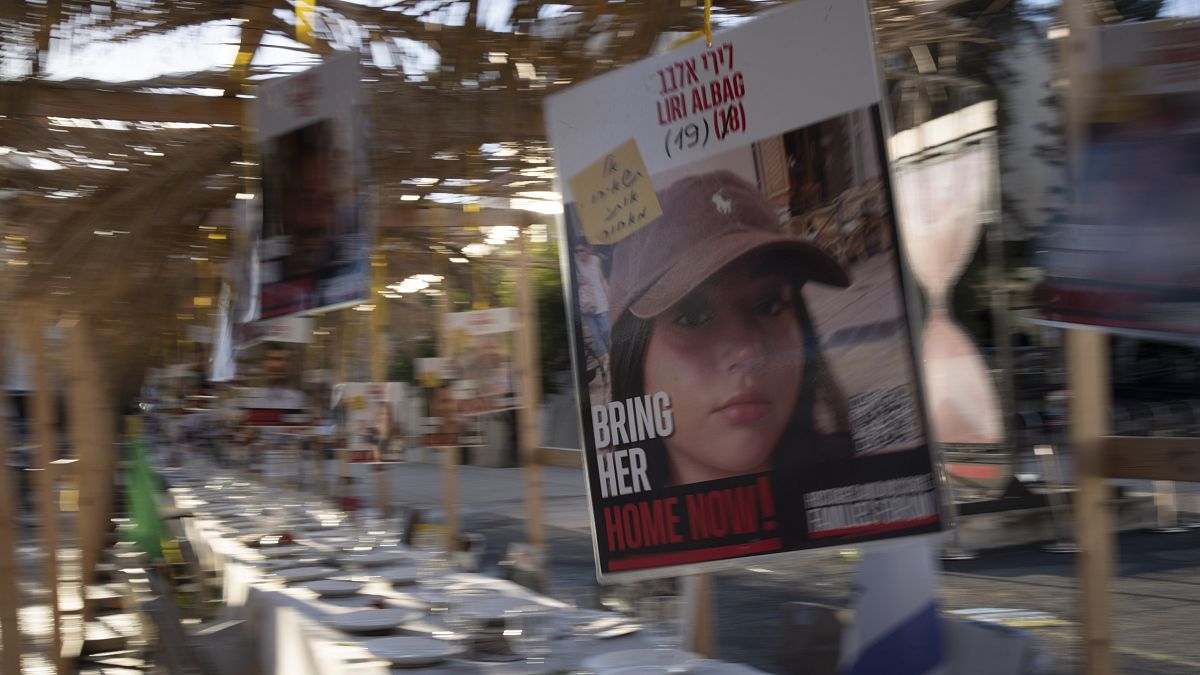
[287, 623]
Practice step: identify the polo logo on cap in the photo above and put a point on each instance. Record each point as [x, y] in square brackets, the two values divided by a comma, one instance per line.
[723, 205]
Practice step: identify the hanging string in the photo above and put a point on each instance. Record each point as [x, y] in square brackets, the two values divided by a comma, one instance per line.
[706, 32]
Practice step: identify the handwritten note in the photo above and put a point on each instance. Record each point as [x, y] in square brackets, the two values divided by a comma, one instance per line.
[614, 197]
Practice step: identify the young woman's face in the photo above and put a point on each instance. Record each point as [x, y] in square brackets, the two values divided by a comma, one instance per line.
[730, 356]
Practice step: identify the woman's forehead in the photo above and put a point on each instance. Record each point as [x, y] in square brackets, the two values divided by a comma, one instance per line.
[747, 269]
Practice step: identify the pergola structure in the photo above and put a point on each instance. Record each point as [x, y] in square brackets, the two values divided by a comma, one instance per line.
[116, 192]
[106, 185]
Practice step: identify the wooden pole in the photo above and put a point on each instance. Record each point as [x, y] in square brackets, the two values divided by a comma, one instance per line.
[699, 600]
[1088, 377]
[92, 435]
[10, 633]
[531, 392]
[451, 456]
[379, 362]
[44, 415]
[1088, 381]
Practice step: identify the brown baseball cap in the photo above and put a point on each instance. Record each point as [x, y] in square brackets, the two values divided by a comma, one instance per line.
[708, 221]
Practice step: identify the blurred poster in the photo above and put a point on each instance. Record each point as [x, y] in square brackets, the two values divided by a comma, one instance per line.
[314, 239]
[292, 329]
[374, 418]
[742, 347]
[444, 424]
[1128, 257]
[480, 345]
[274, 397]
[945, 191]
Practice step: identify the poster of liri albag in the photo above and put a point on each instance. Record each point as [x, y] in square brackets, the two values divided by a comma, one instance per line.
[741, 339]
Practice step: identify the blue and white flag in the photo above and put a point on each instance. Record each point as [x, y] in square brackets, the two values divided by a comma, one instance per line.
[897, 630]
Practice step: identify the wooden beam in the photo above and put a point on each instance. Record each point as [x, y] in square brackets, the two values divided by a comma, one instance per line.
[1151, 458]
[1089, 385]
[253, 28]
[39, 99]
[49, 20]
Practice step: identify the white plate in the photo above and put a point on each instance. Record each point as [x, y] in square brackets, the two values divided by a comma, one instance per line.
[401, 574]
[644, 670]
[371, 620]
[439, 597]
[374, 558]
[281, 551]
[413, 651]
[306, 573]
[334, 588]
[357, 601]
[490, 607]
[608, 663]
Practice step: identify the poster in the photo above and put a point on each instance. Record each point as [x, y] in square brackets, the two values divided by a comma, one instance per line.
[274, 397]
[480, 346]
[1127, 259]
[742, 345]
[374, 415]
[946, 185]
[444, 425]
[314, 239]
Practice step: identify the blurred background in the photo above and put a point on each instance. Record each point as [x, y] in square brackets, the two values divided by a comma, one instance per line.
[415, 320]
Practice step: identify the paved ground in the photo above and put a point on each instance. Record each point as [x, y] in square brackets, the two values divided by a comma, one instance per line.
[1156, 597]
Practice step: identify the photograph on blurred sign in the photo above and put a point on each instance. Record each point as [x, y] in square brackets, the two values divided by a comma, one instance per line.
[745, 369]
[270, 370]
[480, 347]
[444, 424]
[945, 171]
[374, 415]
[315, 233]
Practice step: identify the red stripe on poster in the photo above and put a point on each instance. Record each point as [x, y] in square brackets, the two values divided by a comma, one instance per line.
[702, 555]
[872, 529]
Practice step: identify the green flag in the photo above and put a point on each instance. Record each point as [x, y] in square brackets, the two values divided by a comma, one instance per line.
[141, 500]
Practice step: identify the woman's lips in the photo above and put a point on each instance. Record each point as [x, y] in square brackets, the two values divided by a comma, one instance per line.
[744, 408]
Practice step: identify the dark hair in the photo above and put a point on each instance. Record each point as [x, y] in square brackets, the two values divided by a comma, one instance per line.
[802, 444]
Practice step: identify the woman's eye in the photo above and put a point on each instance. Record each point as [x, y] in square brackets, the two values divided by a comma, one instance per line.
[774, 303]
[691, 318]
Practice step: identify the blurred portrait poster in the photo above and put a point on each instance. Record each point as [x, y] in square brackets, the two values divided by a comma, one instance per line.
[373, 414]
[273, 395]
[1127, 257]
[314, 239]
[480, 347]
[743, 355]
[444, 425]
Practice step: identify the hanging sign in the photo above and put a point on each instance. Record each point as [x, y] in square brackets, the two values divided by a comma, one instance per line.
[480, 349]
[743, 355]
[314, 240]
[1127, 258]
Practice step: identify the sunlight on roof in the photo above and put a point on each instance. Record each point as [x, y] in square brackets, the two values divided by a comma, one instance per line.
[208, 46]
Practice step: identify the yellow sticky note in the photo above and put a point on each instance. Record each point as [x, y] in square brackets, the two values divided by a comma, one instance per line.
[614, 197]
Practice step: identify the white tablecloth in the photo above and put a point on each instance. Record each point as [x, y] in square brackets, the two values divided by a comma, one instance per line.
[286, 621]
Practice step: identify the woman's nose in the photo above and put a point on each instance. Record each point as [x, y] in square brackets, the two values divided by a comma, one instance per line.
[743, 346]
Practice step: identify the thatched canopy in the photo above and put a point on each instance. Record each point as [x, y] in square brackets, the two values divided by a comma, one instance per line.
[111, 190]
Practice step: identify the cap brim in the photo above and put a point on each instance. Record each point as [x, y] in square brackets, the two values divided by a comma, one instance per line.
[712, 255]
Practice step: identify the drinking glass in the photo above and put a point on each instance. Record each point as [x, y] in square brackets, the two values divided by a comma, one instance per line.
[662, 618]
[530, 629]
